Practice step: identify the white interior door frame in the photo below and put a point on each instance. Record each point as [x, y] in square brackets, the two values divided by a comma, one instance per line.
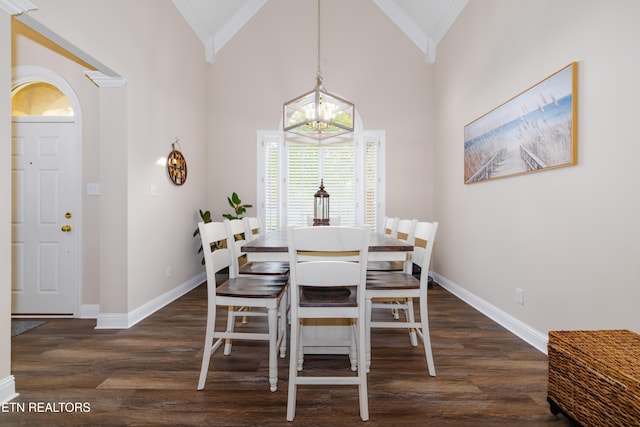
[26, 74]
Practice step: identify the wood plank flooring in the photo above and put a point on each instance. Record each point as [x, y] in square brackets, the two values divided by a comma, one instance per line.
[147, 375]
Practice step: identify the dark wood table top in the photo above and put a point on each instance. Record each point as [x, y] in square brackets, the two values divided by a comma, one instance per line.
[276, 241]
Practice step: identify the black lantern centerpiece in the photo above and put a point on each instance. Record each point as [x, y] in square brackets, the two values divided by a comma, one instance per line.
[321, 206]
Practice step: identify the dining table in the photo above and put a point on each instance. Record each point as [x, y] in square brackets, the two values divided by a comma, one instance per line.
[326, 336]
[273, 246]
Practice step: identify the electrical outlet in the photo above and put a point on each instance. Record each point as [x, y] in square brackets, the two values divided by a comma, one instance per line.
[520, 296]
[168, 272]
[93, 188]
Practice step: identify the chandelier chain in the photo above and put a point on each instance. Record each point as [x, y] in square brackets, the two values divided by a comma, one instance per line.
[319, 75]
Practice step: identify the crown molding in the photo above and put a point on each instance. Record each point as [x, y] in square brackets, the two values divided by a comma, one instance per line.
[404, 22]
[17, 7]
[209, 51]
[214, 42]
[192, 18]
[427, 43]
[102, 80]
[446, 22]
[237, 21]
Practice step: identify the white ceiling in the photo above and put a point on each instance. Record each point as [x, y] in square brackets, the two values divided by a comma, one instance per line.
[424, 21]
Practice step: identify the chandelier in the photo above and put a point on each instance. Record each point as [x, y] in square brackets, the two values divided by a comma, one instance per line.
[318, 114]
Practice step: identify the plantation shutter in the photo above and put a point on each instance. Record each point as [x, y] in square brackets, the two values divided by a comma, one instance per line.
[302, 182]
[338, 172]
[371, 183]
[289, 175]
[271, 187]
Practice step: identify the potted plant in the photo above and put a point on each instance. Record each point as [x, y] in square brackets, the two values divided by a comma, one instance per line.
[238, 207]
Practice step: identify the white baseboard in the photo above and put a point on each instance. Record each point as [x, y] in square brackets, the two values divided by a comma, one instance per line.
[89, 311]
[127, 320]
[530, 335]
[8, 389]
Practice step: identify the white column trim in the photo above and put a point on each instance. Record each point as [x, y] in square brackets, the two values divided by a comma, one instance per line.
[102, 80]
[17, 7]
[8, 389]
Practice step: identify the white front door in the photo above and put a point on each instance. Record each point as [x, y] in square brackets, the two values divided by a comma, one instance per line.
[44, 221]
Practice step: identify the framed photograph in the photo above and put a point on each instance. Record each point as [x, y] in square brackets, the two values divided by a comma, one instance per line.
[533, 131]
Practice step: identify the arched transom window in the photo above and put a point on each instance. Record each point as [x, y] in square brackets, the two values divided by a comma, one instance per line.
[40, 99]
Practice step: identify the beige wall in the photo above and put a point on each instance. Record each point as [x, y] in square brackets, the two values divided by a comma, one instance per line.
[164, 97]
[568, 237]
[368, 61]
[7, 386]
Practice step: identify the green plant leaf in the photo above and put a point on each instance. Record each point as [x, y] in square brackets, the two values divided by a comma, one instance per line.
[235, 198]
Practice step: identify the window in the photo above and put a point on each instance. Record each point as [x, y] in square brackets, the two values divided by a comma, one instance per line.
[289, 174]
[40, 99]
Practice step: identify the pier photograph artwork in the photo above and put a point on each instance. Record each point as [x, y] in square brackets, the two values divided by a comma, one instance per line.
[535, 130]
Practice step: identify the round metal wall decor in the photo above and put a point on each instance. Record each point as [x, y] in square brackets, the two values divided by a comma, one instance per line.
[176, 166]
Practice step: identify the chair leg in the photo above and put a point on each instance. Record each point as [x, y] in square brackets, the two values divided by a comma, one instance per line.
[299, 348]
[353, 348]
[231, 324]
[367, 344]
[395, 313]
[411, 318]
[282, 328]
[362, 370]
[208, 345]
[293, 371]
[426, 338]
[273, 348]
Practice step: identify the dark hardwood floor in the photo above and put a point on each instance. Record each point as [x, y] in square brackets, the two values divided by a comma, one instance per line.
[147, 375]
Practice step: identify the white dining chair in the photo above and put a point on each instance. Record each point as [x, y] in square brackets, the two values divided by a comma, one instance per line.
[400, 286]
[252, 227]
[236, 227]
[328, 273]
[401, 229]
[404, 231]
[236, 294]
[390, 226]
[237, 232]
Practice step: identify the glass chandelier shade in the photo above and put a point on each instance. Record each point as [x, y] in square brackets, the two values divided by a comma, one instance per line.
[318, 114]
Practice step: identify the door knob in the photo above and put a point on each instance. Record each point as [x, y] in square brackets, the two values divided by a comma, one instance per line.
[66, 228]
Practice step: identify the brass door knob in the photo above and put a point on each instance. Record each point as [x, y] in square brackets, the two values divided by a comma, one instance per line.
[66, 228]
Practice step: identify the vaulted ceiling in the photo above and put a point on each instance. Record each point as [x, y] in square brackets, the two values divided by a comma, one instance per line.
[424, 21]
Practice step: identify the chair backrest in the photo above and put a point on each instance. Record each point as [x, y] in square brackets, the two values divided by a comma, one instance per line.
[424, 238]
[390, 226]
[405, 229]
[212, 233]
[252, 227]
[328, 256]
[235, 240]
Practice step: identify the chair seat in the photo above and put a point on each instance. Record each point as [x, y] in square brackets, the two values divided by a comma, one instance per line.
[265, 268]
[380, 281]
[253, 287]
[328, 297]
[385, 266]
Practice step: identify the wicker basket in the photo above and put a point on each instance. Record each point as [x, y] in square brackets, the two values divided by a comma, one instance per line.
[594, 376]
